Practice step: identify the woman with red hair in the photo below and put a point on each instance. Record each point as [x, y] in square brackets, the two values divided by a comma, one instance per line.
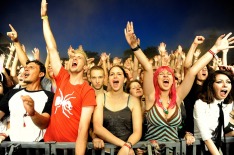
[163, 98]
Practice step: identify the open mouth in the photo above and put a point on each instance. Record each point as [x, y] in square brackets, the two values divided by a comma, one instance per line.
[166, 81]
[223, 92]
[74, 64]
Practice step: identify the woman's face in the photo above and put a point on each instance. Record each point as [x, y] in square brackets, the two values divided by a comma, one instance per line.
[1, 88]
[136, 89]
[116, 78]
[165, 80]
[222, 86]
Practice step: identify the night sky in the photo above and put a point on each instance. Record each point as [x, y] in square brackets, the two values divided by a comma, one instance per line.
[99, 25]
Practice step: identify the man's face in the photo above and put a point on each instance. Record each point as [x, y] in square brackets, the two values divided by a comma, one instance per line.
[76, 63]
[32, 73]
[97, 79]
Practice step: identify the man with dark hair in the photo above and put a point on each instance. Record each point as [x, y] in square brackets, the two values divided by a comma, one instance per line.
[29, 108]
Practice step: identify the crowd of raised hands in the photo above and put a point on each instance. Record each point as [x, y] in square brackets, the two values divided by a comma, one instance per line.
[183, 65]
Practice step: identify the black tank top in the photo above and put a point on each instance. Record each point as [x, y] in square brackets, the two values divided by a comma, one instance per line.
[119, 123]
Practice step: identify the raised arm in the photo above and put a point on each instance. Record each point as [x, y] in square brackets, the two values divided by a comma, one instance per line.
[148, 86]
[222, 43]
[23, 58]
[189, 58]
[50, 41]
[12, 50]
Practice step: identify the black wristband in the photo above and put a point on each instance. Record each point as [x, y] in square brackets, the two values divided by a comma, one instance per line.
[136, 48]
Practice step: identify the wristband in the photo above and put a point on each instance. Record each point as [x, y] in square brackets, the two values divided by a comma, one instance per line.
[128, 146]
[136, 48]
[214, 54]
[44, 17]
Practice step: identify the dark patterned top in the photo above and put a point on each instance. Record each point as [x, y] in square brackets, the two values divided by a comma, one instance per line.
[119, 123]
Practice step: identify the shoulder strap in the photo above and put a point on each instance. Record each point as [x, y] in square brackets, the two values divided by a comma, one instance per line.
[128, 99]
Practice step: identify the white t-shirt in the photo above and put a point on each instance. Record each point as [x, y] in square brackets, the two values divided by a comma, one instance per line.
[206, 118]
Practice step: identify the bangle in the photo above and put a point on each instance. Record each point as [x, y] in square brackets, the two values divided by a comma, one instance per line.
[136, 48]
[130, 144]
[127, 145]
[214, 54]
[44, 17]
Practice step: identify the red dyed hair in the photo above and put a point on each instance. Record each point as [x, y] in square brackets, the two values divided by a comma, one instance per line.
[172, 93]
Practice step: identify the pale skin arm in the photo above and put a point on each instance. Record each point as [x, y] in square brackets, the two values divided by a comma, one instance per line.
[40, 120]
[148, 87]
[211, 147]
[82, 138]
[12, 50]
[104, 66]
[189, 58]
[14, 68]
[50, 41]
[135, 68]
[137, 121]
[222, 42]
[225, 52]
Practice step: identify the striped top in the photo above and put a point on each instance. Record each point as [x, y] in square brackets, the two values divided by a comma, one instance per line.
[160, 129]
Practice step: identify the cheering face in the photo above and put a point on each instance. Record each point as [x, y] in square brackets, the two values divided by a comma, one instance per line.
[202, 74]
[21, 77]
[76, 63]
[136, 89]
[32, 73]
[165, 80]
[116, 78]
[97, 79]
[222, 86]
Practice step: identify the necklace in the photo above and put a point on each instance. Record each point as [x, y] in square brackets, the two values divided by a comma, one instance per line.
[165, 110]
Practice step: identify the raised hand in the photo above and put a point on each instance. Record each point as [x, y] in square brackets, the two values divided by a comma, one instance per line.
[13, 34]
[131, 38]
[36, 54]
[162, 48]
[223, 42]
[198, 40]
[28, 105]
[43, 8]
[11, 47]
[70, 51]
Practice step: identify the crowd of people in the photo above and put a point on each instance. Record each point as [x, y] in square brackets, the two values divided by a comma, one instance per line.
[163, 98]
